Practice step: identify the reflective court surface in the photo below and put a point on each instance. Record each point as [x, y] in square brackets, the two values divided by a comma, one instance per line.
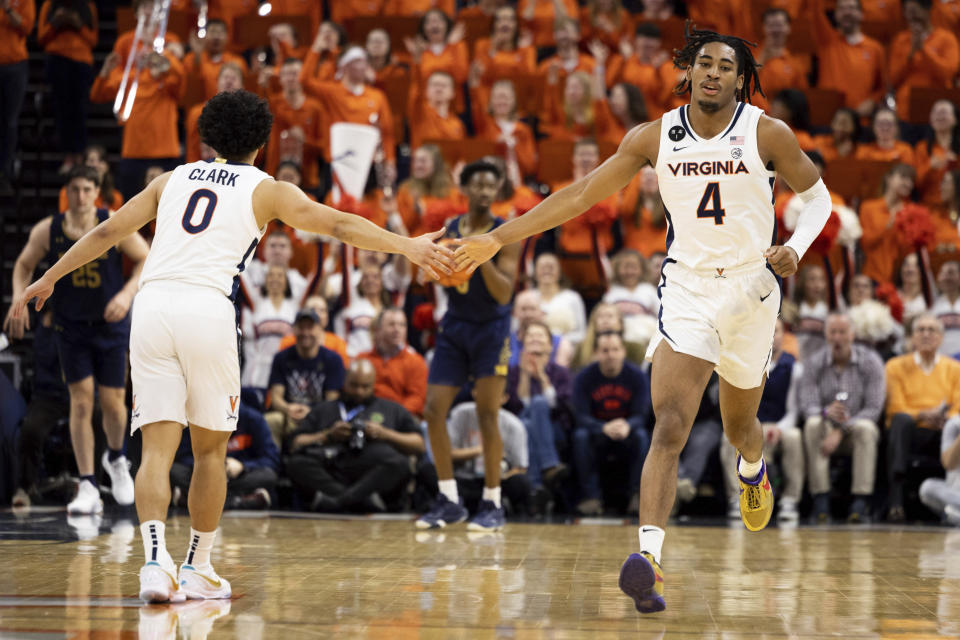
[306, 577]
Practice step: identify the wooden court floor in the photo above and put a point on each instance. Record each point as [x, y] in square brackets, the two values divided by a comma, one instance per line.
[329, 578]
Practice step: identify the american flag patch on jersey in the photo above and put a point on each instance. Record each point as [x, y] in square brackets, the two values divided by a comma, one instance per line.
[736, 140]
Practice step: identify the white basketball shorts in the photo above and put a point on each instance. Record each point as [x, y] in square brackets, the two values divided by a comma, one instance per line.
[183, 357]
[726, 317]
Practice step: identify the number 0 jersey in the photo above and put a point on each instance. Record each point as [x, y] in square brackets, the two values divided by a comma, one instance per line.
[206, 229]
[717, 193]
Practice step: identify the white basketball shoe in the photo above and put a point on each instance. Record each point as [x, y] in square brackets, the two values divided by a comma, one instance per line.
[203, 583]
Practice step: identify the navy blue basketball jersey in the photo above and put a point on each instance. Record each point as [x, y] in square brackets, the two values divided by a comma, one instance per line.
[83, 295]
[471, 301]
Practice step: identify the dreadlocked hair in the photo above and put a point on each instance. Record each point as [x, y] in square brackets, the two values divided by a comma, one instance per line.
[747, 65]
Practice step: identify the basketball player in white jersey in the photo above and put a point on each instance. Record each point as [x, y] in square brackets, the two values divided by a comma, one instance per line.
[183, 342]
[716, 159]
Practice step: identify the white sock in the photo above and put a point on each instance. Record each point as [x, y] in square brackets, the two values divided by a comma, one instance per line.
[153, 533]
[449, 489]
[493, 495]
[750, 470]
[651, 540]
[198, 553]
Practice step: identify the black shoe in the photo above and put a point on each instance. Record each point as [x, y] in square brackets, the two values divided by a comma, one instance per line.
[555, 476]
[821, 509]
[896, 514]
[373, 503]
[258, 500]
[858, 511]
[324, 503]
[539, 502]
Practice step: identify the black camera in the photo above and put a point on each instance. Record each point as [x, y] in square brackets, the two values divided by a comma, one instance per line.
[358, 435]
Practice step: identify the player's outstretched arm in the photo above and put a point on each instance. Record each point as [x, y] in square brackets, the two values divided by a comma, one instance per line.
[638, 148]
[778, 144]
[133, 215]
[287, 202]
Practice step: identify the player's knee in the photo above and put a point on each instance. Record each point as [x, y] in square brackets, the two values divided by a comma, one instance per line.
[81, 406]
[487, 417]
[671, 430]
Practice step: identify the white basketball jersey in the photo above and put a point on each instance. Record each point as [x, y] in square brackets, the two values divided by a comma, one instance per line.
[206, 229]
[717, 193]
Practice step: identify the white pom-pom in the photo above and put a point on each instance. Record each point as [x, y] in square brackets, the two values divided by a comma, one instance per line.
[850, 229]
[872, 321]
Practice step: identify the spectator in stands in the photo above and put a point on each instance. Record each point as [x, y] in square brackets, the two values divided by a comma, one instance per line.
[923, 392]
[813, 308]
[880, 244]
[791, 106]
[911, 288]
[16, 23]
[628, 107]
[302, 376]
[657, 10]
[514, 197]
[320, 64]
[435, 117]
[655, 262]
[629, 290]
[644, 63]
[401, 371]
[496, 120]
[946, 308]
[568, 57]
[606, 21]
[270, 319]
[841, 398]
[355, 320]
[353, 100]
[849, 61]
[277, 252]
[643, 219]
[781, 69]
[938, 152]
[604, 318]
[291, 8]
[843, 138]
[947, 212]
[253, 461]
[437, 46]
[385, 65]
[150, 133]
[208, 54]
[778, 418]
[578, 109]
[67, 31]
[563, 308]
[943, 496]
[230, 78]
[507, 52]
[887, 145]
[395, 274]
[428, 197]
[330, 340]
[921, 55]
[527, 309]
[539, 16]
[49, 404]
[612, 400]
[539, 393]
[419, 7]
[109, 198]
[352, 454]
[299, 131]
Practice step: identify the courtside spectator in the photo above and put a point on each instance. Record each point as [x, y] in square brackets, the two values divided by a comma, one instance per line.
[401, 371]
[943, 496]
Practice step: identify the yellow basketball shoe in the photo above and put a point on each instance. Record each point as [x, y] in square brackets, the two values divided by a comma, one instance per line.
[756, 499]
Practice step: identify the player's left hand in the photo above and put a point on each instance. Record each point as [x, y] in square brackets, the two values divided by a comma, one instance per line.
[41, 290]
[475, 250]
[430, 256]
[783, 260]
[116, 310]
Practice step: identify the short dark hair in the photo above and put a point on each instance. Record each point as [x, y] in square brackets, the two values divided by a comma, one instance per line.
[648, 30]
[478, 166]
[235, 123]
[342, 37]
[421, 26]
[83, 172]
[605, 334]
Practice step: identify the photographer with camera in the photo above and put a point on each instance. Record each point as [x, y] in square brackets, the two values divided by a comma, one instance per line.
[352, 454]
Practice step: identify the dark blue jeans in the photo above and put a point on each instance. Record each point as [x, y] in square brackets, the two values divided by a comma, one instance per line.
[592, 449]
[13, 86]
[70, 89]
[541, 439]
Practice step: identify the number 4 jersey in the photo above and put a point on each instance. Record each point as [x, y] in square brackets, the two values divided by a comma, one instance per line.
[717, 193]
[206, 229]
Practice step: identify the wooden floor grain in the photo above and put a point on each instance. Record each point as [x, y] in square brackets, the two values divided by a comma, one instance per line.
[325, 578]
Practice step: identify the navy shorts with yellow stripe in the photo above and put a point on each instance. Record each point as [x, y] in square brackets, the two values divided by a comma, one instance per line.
[93, 349]
[468, 351]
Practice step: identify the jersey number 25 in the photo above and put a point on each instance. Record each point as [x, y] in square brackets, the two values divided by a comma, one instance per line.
[710, 206]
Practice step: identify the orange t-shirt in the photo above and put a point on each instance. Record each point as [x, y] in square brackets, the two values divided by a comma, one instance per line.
[901, 152]
[656, 83]
[115, 203]
[227, 10]
[369, 207]
[503, 63]
[856, 70]
[309, 117]
[487, 128]
[603, 127]
[428, 124]
[370, 106]
[343, 10]
[194, 145]
[427, 213]
[544, 14]
[522, 201]
[880, 245]
[643, 236]
[418, 7]
[75, 45]
[451, 59]
[319, 67]
[575, 235]
[825, 146]
[623, 27]
[310, 8]
[13, 39]
[933, 65]
[401, 378]
[928, 178]
[722, 16]
[208, 69]
[785, 71]
[151, 131]
[946, 15]
[585, 63]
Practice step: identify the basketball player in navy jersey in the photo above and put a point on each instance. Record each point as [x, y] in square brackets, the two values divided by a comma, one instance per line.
[92, 325]
[473, 344]
[716, 160]
[183, 340]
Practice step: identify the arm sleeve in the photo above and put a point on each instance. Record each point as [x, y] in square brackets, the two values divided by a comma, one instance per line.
[944, 62]
[816, 210]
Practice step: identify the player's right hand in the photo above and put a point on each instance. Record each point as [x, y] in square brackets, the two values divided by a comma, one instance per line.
[475, 250]
[15, 327]
[433, 258]
[41, 290]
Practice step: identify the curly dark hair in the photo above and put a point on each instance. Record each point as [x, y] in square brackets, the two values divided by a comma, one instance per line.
[478, 166]
[747, 65]
[235, 124]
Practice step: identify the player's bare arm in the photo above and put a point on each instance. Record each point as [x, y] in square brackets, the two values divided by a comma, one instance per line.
[499, 275]
[30, 256]
[778, 146]
[288, 203]
[638, 148]
[136, 250]
[129, 219]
